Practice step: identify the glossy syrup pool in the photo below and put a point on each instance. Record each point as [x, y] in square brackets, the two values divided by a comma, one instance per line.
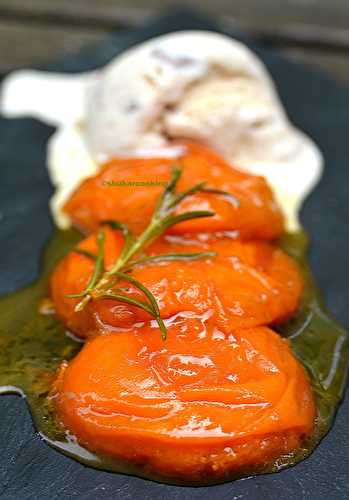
[32, 346]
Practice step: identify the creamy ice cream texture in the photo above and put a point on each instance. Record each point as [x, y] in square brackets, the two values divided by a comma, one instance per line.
[195, 85]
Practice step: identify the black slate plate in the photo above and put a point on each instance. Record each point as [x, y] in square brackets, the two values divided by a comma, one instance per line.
[29, 469]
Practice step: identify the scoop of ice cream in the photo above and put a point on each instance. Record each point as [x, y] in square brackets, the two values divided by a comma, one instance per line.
[195, 85]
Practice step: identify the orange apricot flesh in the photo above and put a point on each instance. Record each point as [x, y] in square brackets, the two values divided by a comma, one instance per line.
[250, 211]
[247, 284]
[223, 396]
[203, 406]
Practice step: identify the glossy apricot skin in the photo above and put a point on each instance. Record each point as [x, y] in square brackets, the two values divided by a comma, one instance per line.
[255, 215]
[223, 395]
[204, 406]
[245, 285]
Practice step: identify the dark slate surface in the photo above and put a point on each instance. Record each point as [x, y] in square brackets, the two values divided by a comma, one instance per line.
[31, 470]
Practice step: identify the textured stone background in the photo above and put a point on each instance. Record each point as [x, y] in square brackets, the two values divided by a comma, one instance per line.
[29, 469]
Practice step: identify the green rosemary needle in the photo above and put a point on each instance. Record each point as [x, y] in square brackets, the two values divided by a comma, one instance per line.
[85, 253]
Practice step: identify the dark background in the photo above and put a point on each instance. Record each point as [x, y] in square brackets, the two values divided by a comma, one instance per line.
[33, 31]
[316, 103]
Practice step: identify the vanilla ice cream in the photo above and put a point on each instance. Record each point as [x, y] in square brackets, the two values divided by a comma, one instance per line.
[194, 85]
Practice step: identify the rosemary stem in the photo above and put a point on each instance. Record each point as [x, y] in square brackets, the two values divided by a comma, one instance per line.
[144, 239]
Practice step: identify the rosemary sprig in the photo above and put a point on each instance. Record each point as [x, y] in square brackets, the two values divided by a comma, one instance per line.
[102, 284]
